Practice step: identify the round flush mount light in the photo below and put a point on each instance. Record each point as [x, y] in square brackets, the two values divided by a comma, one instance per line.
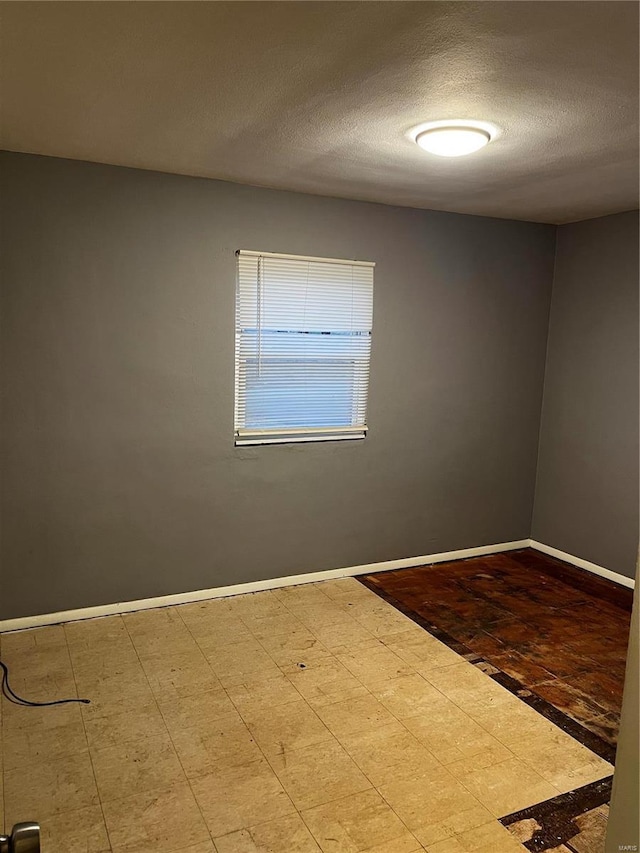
[453, 138]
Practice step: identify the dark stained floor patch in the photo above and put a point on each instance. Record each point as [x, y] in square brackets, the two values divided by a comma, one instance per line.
[586, 736]
[558, 631]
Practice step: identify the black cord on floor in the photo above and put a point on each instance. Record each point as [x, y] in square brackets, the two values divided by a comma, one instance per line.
[17, 700]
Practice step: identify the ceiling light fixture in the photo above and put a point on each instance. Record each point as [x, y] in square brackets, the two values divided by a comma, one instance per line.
[453, 139]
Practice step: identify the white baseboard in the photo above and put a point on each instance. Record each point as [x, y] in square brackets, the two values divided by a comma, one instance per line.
[623, 580]
[39, 621]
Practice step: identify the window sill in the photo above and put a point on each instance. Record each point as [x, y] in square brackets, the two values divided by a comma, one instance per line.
[245, 441]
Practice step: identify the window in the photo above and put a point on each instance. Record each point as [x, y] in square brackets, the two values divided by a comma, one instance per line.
[303, 341]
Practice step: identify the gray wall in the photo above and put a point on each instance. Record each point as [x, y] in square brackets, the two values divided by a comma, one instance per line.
[121, 480]
[587, 487]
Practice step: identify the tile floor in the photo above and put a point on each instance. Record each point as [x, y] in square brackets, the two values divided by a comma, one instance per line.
[309, 719]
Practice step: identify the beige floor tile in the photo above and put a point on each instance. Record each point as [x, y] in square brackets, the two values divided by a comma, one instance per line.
[182, 712]
[240, 662]
[266, 627]
[98, 673]
[434, 805]
[363, 604]
[258, 693]
[285, 727]
[360, 823]
[284, 835]
[240, 797]
[174, 642]
[447, 845]
[345, 590]
[213, 622]
[388, 753]
[508, 786]
[185, 648]
[325, 613]
[372, 662]
[52, 787]
[381, 624]
[105, 700]
[37, 663]
[203, 847]
[81, 831]
[256, 605]
[108, 702]
[467, 686]
[471, 763]
[128, 725]
[30, 745]
[493, 838]
[356, 714]
[101, 655]
[153, 623]
[296, 647]
[318, 774]
[302, 595]
[156, 822]
[224, 742]
[100, 643]
[99, 638]
[379, 618]
[459, 822]
[210, 610]
[91, 632]
[341, 636]
[408, 695]
[159, 660]
[16, 717]
[489, 838]
[419, 649]
[221, 633]
[183, 673]
[510, 721]
[578, 776]
[451, 735]
[324, 682]
[147, 764]
[35, 638]
[561, 760]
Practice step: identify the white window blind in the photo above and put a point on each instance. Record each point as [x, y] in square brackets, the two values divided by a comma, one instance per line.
[303, 343]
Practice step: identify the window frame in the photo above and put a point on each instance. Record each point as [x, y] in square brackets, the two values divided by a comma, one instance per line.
[244, 436]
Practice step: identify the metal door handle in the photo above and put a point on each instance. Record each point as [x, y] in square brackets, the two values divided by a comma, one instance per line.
[24, 838]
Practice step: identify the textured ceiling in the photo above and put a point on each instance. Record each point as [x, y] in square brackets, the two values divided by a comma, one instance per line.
[319, 96]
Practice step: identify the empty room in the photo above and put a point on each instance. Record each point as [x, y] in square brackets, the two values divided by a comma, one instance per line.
[320, 427]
